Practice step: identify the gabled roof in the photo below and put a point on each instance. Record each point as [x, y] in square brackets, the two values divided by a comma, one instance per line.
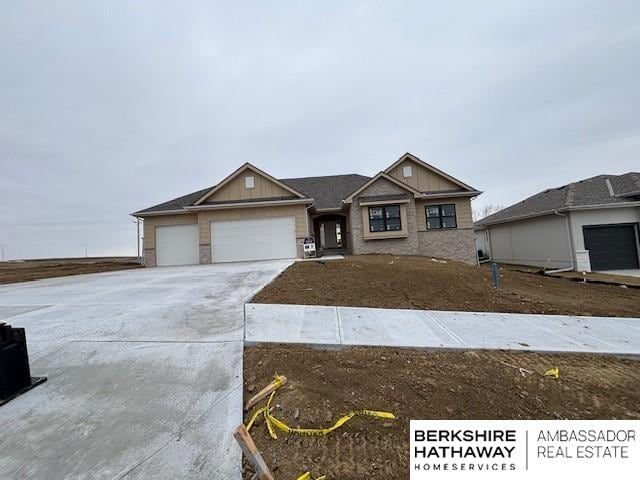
[175, 205]
[327, 192]
[409, 156]
[247, 166]
[601, 190]
[364, 186]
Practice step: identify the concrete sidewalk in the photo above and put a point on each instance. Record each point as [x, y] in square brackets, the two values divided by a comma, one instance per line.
[437, 329]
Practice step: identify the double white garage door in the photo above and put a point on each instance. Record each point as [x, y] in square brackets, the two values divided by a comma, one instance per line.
[231, 241]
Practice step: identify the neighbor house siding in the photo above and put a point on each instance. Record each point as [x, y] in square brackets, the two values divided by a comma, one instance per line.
[422, 179]
[541, 242]
[482, 241]
[603, 216]
[235, 189]
[149, 232]
[205, 218]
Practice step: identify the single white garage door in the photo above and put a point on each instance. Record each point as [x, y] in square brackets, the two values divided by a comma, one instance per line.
[177, 245]
[257, 239]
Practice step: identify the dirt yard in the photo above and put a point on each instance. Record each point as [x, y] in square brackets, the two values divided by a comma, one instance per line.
[386, 281]
[420, 385]
[27, 270]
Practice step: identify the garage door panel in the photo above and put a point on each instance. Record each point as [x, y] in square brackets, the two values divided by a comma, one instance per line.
[611, 247]
[255, 239]
[177, 245]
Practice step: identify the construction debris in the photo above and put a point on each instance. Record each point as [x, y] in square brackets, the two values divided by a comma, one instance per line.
[274, 423]
[277, 382]
[254, 457]
[523, 371]
[241, 434]
[553, 372]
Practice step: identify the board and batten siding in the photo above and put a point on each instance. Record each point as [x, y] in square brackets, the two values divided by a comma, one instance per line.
[422, 179]
[463, 211]
[236, 190]
[541, 242]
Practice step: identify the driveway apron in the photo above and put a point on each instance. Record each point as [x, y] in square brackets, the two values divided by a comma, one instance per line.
[144, 373]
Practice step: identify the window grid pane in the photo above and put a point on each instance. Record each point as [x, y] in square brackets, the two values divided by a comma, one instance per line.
[383, 219]
[392, 212]
[375, 212]
[441, 216]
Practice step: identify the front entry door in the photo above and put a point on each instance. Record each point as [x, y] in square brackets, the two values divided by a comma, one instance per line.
[328, 234]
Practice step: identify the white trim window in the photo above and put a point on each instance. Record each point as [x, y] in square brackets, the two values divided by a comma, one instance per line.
[249, 182]
[407, 171]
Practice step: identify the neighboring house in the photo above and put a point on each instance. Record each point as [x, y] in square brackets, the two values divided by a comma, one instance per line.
[587, 225]
[411, 208]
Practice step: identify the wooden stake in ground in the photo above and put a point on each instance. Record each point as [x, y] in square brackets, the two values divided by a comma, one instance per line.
[251, 452]
[279, 381]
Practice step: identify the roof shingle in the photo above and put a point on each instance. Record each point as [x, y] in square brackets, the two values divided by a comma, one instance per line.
[329, 191]
[584, 193]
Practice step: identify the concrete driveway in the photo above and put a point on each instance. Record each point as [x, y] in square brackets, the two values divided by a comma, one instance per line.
[144, 368]
[625, 273]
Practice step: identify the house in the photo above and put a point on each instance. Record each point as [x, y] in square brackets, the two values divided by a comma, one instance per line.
[411, 208]
[587, 225]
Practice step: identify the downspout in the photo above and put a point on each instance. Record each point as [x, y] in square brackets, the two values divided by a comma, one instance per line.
[309, 232]
[571, 252]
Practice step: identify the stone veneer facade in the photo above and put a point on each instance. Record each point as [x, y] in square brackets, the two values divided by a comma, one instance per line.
[395, 246]
[452, 244]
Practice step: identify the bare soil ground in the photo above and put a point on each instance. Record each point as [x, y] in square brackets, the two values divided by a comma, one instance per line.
[386, 281]
[27, 270]
[418, 385]
[597, 277]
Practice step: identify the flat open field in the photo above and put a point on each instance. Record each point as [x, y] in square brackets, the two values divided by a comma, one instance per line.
[414, 384]
[386, 281]
[27, 270]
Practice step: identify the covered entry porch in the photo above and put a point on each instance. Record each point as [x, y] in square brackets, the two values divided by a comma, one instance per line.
[330, 233]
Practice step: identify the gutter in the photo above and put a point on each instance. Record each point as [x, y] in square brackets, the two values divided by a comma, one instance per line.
[195, 208]
[474, 193]
[552, 212]
[571, 252]
[158, 212]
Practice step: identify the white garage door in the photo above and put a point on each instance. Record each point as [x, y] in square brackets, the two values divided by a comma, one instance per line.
[257, 239]
[177, 245]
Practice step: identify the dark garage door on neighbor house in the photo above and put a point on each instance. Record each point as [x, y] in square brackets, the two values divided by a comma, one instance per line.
[611, 247]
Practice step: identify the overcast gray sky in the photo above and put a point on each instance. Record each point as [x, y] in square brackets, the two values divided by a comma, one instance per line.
[107, 107]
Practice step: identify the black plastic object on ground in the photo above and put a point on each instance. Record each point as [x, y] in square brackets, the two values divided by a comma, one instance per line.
[15, 375]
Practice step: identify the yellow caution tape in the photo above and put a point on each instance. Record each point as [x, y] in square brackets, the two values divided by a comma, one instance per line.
[278, 381]
[554, 372]
[254, 417]
[280, 425]
[272, 432]
[274, 423]
[307, 476]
